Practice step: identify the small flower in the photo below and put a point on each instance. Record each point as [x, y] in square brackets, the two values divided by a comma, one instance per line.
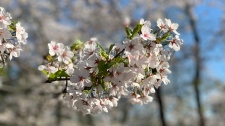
[145, 33]
[161, 25]
[143, 22]
[126, 21]
[153, 61]
[14, 50]
[172, 26]
[48, 68]
[83, 106]
[133, 46]
[134, 98]
[55, 48]
[164, 68]
[114, 101]
[21, 35]
[5, 18]
[93, 60]
[81, 77]
[175, 43]
[145, 99]
[5, 34]
[69, 68]
[150, 46]
[65, 55]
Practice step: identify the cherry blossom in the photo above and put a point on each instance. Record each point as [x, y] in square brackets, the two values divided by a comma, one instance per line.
[161, 25]
[65, 55]
[14, 52]
[12, 34]
[175, 43]
[143, 22]
[97, 78]
[5, 34]
[145, 33]
[48, 68]
[5, 18]
[21, 34]
[55, 48]
[81, 78]
[172, 26]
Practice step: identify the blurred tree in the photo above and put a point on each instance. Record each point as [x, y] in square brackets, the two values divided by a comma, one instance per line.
[196, 79]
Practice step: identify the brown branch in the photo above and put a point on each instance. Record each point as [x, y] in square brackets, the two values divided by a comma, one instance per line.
[58, 79]
[118, 54]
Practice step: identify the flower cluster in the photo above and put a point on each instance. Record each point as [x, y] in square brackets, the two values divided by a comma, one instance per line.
[12, 34]
[59, 61]
[98, 77]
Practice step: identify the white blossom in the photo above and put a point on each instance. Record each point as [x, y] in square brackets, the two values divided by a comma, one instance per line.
[133, 69]
[145, 33]
[5, 18]
[21, 35]
[55, 48]
[65, 55]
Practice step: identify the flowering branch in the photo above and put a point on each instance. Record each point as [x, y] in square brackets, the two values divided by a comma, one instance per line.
[12, 35]
[97, 78]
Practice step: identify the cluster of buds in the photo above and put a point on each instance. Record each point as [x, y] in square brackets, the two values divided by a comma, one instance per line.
[96, 78]
[12, 34]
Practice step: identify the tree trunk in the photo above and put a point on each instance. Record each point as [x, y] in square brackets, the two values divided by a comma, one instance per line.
[161, 107]
[196, 80]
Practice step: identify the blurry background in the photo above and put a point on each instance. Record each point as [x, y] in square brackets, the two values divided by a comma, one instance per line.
[195, 96]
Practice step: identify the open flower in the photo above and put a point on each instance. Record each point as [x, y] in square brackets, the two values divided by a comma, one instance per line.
[65, 55]
[81, 77]
[175, 43]
[146, 34]
[55, 48]
[172, 26]
[5, 34]
[161, 25]
[21, 35]
[5, 18]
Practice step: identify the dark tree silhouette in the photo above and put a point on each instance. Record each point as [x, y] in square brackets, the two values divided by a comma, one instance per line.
[198, 63]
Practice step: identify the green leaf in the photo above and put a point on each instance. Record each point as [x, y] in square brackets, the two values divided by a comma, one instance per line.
[49, 58]
[52, 76]
[102, 52]
[61, 73]
[163, 38]
[136, 30]
[86, 91]
[128, 31]
[14, 22]
[58, 74]
[45, 72]
[110, 48]
[101, 48]
[77, 45]
[12, 26]
[102, 84]
[118, 60]
[102, 67]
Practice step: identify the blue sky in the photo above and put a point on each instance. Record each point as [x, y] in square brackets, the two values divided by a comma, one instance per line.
[209, 23]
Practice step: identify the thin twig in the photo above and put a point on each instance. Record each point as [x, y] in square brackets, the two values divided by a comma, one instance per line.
[118, 54]
[57, 79]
